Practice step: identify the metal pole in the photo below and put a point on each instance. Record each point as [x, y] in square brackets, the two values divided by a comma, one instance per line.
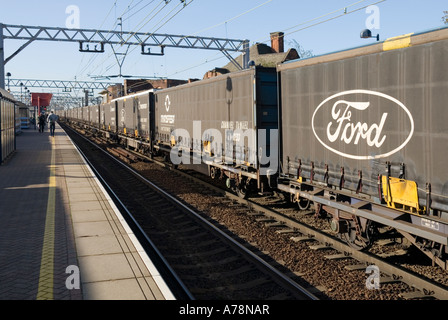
[2, 59]
[86, 94]
[246, 54]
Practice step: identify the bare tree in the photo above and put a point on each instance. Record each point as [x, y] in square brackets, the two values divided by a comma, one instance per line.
[303, 53]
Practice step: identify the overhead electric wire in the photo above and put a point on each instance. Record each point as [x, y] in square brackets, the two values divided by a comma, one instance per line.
[114, 27]
[90, 61]
[231, 19]
[128, 9]
[325, 15]
[217, 25]
[149, 34]
[236, 17]
[137, 11]
[129, 33]
[198, 65]
[339, 16]
[113, 53]
[306, 22]
[185, 4]
[327, 20]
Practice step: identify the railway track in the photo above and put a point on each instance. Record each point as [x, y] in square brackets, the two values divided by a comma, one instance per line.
[317, 258]
[397, 281]
[209, 261]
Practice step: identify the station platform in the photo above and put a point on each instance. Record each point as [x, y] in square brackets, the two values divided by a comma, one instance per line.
[61, 236]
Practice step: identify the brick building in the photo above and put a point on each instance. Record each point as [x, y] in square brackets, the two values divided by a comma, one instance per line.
[262, 55]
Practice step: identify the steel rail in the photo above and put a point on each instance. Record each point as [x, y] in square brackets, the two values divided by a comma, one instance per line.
[429, 288]
[284, 279]
[141, 235]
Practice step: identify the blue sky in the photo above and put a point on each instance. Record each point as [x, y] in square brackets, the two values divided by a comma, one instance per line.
[243, 19]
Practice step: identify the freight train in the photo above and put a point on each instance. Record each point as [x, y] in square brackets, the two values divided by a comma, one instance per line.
[359, 136]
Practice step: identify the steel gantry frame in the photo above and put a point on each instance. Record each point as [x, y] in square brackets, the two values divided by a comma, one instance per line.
[98, 38]
[59, 100]
[67, 85]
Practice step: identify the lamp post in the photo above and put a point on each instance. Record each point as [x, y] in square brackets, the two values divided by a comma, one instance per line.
[366, 33]
[9, 76]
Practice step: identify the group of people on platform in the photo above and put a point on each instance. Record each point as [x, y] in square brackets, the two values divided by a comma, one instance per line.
[51, 120]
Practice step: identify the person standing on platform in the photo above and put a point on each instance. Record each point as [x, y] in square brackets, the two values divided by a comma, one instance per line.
[41, 122]
[52, 118]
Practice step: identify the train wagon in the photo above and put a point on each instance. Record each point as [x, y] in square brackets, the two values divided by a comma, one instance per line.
[94, 116]
[69, 114]
[125, 108]
[143, 120]
[62, 113]
[110, 117]
[80, 114]
[364, 138]
[85, 116]
[131, 118]
[224, 124]
[76, 115]
[134, 114]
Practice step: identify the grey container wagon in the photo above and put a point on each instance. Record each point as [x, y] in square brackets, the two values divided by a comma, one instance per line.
[370, 125]
[216, 121]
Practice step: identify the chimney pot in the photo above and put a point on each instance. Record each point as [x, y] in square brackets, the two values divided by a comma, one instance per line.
[277, 41]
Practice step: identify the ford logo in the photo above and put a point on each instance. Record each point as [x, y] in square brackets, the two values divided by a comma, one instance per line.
[362, 124]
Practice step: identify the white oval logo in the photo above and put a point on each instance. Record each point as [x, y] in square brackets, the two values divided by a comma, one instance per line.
[362, 127]
[167, 103]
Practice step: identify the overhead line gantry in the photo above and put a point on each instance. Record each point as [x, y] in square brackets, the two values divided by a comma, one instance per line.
[94, 41]
[66, 85]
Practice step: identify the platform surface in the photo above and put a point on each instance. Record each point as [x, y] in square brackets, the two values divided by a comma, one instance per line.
[61, 236]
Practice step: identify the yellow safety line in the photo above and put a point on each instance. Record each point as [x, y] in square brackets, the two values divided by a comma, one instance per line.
[46, 277]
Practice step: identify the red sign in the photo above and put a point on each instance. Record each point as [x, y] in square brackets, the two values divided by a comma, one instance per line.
[41, 99]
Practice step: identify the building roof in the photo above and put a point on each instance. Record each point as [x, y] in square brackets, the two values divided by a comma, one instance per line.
[264, 55]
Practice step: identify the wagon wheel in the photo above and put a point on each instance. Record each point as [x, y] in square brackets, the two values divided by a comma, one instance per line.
[304, 204]
[360, 241]
[214, 172]
[242, 190]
